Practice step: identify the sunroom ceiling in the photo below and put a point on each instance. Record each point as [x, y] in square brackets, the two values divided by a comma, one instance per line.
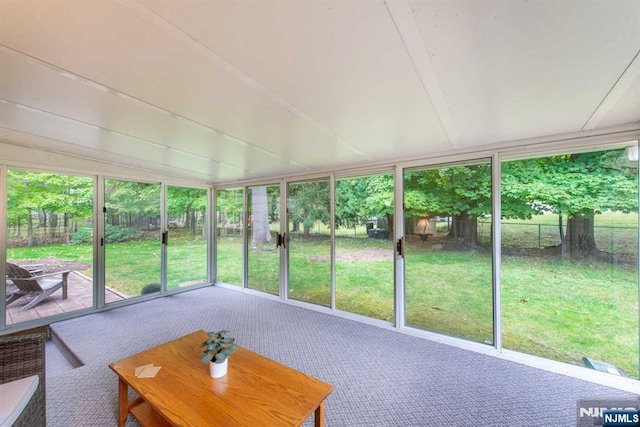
[219, 91]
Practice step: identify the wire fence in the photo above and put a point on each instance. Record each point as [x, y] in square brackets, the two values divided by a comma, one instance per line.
[620, 240]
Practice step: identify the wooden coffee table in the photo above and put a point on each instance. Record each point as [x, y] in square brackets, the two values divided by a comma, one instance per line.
[255, 392]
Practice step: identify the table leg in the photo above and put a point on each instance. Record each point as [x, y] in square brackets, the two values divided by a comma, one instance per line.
[123, 402]
[319, 415]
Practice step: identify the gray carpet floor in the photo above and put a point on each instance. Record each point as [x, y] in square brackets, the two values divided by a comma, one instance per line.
[381, 377]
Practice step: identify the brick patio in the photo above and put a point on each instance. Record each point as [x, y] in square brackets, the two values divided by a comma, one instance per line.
[79, 296]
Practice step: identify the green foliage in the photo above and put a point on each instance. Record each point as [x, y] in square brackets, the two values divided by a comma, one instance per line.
[449, 191]
[186, 207]
[573, 184]
[218, 347]
[181, 200]
[230, 202]
[57, 194]
[82, 236]
[114, 233]
[360, 198]
[150, 288]
[129, 202]
[308, 203]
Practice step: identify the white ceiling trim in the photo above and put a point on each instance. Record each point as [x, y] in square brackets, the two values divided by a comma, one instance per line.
[408, 29]
[129, 136]
[178, 34]
[597, 139]
[40, 154]
[619, 89]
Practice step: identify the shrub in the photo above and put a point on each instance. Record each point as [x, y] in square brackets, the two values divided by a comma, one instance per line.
[112, 234]
[115, 233]
[150, 288]
[82, 236]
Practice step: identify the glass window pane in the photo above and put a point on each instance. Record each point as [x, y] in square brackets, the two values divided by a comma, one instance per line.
[448, 262]
[570, 258]
[364, 246]
[50, 235]
[263, 203]
[230, 237]
[309, 242]
[187, 237]
[132, 238]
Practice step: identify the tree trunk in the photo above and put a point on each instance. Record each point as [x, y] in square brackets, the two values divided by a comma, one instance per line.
[44, 224]
[562, 236]
[465, 228]
[53, 224]
[29, 229]
[67, 230]
[260, 221]
[579, 239]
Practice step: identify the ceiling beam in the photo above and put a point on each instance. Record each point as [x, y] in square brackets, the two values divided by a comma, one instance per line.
[408, 29]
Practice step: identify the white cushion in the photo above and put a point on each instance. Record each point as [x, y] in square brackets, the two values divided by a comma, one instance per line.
[14, 396]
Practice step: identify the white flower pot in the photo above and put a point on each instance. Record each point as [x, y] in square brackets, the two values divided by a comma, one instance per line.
[218, 370]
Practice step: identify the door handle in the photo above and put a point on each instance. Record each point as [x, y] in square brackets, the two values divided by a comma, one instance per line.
[281, 240]
[400, 247]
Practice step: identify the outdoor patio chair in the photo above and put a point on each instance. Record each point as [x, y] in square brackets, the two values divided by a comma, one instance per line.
[40, 286]
[22, 359]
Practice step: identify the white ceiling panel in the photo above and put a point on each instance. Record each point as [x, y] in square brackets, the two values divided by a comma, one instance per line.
[35, 122]
[133, 57]
[342, 63]
[32, 84]
[231, 90]
[507, 67]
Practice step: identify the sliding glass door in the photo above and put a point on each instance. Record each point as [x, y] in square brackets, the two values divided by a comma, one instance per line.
[263, 269]
[448, 261]
[364, 210]
[309, 241]
[230, 236]
[186, 237]
[570, 258]
[132, 244]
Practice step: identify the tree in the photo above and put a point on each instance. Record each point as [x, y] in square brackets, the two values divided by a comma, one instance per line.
[359, 199]
[260, 217]
[229, 205]
[461, 192]
[50, 196]
[308, 203]
[187, 205]
[132, 204]
[578, 187]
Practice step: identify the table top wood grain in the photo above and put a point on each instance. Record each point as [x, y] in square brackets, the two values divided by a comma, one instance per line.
[255, 391]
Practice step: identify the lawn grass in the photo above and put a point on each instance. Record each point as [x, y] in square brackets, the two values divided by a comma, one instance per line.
[129, 266]
[449, 292]
[560, 310]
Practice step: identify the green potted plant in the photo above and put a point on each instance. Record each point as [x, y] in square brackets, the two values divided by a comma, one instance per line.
[217, 349]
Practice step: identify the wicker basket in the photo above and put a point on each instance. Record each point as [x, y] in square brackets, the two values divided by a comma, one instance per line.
[22, 356]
